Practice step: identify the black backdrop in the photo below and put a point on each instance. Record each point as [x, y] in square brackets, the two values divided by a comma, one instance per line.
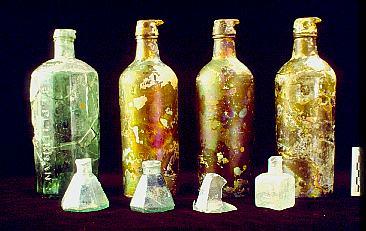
[105, 40]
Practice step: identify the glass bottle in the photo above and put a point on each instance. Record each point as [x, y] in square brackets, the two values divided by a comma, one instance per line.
[84, 193]
[151, 194]
[64, 97]
[275, 189]
[148, 98]
[305, 90]
[225, 88]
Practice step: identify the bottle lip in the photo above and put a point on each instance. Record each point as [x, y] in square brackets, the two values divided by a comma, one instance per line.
[275, 165]
[138, 37]
[147, 28]
[224, 28]
[151, 163]
[64, 33]
[151, 167]
[83, 165]
[306, 27]
[304, 35]
[220, 36]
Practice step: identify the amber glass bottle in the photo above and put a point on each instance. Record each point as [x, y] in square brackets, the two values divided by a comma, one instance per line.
[305, 90]
[148, 101]
[225, 88]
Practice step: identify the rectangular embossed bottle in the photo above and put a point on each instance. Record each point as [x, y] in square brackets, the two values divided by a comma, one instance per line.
[64, 97]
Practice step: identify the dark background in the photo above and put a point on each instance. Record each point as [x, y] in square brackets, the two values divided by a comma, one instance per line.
[105, 40]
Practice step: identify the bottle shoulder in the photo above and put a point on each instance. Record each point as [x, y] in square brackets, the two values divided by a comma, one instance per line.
[271, 177]
[149, 64]
[56, 70]
[71, 65]
[217, 67]
[307, 65]
[148, 71]
[288, 176]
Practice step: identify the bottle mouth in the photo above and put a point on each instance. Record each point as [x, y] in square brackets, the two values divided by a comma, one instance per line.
[220, 36]
[138, 37]
[303, 35]
[151, 167]
[151, 163]
[306, 27]
[224, 28]
[64, 33]
[147, 28]
[83, 165]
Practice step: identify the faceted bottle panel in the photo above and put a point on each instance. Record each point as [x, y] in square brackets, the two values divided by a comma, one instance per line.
[84, 193]
[151, 194]
[64, 95]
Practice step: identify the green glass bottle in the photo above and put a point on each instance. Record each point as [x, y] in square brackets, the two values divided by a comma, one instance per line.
[225, 88]
[64, 97]
[305, 90]
[148, 98]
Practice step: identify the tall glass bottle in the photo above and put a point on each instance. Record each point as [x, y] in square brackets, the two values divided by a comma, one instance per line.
[225, 88]
[64, 96]
[148, 98]
[305, 90]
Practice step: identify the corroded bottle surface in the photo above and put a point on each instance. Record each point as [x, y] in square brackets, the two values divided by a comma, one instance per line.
[64, 96]
[305, 90]
[225, 88]
[148, 101]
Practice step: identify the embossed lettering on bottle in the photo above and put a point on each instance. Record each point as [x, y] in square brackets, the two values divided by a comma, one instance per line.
[64, 95]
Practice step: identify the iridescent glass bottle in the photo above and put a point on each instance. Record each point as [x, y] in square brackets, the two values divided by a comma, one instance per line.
[305, 90]
[225, 88]
[148, 98]
[64, 96]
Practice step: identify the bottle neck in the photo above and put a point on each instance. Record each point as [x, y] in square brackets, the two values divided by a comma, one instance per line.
[83, 166]
[147, 48]
[275, 165]
[304, 46]
[224, 47]
[64, 48]
[151, 167]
